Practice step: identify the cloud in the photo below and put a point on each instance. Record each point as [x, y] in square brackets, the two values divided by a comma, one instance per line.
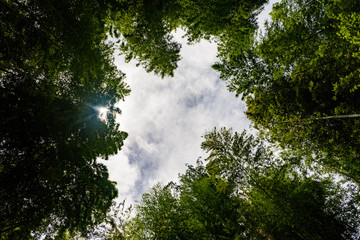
[165, 119]
[264, 16]
[123, 173]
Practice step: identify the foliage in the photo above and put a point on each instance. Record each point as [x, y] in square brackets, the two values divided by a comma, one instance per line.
[116, 224]
[145, 28]
[285, 201]
[55, 69]
[158, 216]
[208, 200]
[294, 206]
[300, 80]
[195, 209]
[245, 192]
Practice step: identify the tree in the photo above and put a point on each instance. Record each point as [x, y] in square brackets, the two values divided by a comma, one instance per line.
[195, 209]
[158, 216]
[213, 211]
[301, 77]
[116, 226]
[56, 69]
[294, 206]
[284, 200]
[246, 192]
[145, 28]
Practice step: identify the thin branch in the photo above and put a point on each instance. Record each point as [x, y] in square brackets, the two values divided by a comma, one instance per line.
[324, 118]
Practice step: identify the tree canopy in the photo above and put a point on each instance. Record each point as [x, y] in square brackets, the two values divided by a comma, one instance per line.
[300, 80]
[56, 70]
[245, 192]
[56, 66]
[145, 28]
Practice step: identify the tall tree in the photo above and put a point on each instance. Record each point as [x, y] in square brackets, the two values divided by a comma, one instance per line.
[284, 200]
[145, 28]
[246, 192]
[300, 80]
[55, 71]
[56, 68]
[194, 209]
[213, 211]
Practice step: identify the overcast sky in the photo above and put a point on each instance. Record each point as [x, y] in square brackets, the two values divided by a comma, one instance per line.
[165, 118]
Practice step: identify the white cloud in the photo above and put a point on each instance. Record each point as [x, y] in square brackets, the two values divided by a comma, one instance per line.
[165, 118]
[264, 16]
[123, 173]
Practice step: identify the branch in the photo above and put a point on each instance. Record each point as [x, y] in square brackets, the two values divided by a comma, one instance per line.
[324, 118]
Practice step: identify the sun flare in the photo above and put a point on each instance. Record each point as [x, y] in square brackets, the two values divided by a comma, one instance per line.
[102, 113]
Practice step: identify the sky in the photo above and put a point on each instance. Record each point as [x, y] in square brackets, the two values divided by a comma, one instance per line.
[166, 118]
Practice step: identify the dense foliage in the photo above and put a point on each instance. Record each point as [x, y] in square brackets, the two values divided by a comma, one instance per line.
[56, 70]
[300, 80]
[245, 192]
[145, 28]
